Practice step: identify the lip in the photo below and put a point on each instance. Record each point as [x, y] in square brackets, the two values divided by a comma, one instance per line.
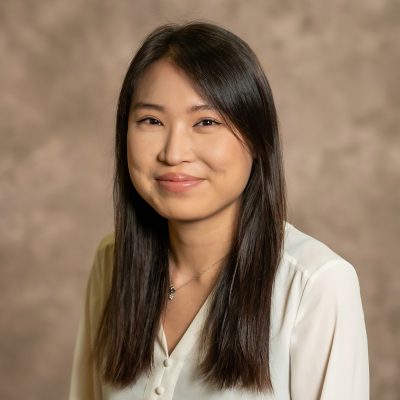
[178, 182]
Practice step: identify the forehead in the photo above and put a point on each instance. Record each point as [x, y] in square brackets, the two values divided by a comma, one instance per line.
[164, 78]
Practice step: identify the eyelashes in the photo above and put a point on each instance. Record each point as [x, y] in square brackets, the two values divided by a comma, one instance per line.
[154, 121]
[210, 120]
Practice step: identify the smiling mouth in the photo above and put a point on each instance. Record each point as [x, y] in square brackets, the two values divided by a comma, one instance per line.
[178, 183]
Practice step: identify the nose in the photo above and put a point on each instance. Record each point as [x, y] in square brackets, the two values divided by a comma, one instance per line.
[177, 146]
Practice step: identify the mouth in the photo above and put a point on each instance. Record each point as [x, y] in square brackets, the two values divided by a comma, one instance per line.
[178, 182]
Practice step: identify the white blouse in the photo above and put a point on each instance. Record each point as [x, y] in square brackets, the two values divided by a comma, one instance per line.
[318, 346]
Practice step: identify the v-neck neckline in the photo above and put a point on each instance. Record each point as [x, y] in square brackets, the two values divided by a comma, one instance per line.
[189, 337]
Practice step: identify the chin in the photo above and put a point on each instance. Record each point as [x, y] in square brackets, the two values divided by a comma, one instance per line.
[182, 215]
[190, 211]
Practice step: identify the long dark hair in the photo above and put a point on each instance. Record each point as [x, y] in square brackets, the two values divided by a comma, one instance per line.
[236, 335]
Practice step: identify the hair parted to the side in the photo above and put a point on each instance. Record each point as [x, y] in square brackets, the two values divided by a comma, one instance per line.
[236, 335]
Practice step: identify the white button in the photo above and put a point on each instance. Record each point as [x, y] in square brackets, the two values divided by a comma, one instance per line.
[167, 362]
[159, 390]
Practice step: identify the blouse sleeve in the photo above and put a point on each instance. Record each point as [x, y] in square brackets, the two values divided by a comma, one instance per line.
[85, 381]
[328, 348]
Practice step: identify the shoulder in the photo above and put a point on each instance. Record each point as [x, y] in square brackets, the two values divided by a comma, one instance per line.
[101, 272]
[106, 244]
[325, 312]
[313, 280]
[105, 249]
[307, 260]
[309, 255]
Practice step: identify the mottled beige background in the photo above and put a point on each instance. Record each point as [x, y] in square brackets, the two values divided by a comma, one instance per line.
[333, 67]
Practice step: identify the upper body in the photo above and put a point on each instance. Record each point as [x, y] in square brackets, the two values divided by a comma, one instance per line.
[318, 341]
[199, 183]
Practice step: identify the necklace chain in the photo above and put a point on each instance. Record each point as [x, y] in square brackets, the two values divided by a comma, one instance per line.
[173, 289]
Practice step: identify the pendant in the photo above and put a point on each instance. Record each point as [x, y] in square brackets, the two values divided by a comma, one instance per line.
[171, 292]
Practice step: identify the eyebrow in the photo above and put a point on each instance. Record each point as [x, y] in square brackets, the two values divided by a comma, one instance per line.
[192, 109]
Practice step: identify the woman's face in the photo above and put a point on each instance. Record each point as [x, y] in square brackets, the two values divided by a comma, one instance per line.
[183, 159]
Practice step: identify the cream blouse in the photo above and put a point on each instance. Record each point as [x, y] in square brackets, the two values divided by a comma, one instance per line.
[318, 347]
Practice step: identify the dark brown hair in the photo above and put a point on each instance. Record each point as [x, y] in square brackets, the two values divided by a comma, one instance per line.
[236, 335]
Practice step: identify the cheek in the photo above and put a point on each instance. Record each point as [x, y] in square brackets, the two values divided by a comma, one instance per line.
[138, 163]
[232, 162]
[138, 152]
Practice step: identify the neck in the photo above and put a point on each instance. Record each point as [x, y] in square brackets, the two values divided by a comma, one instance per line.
[197, 245]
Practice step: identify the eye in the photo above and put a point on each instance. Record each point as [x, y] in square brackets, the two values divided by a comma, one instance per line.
[208, 122]
[149, 121]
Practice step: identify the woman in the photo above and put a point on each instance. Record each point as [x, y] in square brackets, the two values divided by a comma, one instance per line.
[205, 291]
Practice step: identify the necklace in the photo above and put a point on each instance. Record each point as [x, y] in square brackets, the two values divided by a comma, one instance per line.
[173, 289]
